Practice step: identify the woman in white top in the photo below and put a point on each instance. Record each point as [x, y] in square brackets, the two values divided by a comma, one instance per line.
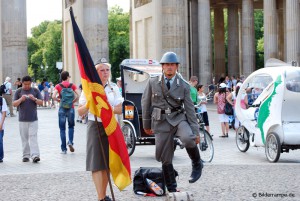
[94, 157]
[203, 101]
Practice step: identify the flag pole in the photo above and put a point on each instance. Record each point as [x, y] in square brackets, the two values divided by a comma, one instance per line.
[104, 157]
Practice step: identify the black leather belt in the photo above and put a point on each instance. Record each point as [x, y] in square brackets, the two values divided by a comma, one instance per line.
[169, 111]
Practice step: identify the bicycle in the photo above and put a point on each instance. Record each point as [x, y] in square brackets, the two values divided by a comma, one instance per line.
[206, 146]
[211, 92]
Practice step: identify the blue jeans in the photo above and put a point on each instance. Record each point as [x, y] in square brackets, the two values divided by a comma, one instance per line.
[1, 144]
[63, 114]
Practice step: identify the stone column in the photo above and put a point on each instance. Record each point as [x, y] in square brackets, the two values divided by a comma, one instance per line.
[293, 30]
[248, 45]
[195, 38]
[219, 43]
[284, 30]
[174, 31]
[14, 39]
[233, 40]
[240, 43]
[204, 42]
[270, 30]
[281, 32]
[95, 27]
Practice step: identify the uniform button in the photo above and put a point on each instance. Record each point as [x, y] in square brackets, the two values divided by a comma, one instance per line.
[167, 96]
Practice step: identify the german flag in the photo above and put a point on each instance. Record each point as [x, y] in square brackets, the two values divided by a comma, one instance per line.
[119, 163]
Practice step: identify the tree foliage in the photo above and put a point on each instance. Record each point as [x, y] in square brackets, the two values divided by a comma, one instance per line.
[118, 31]
[45, 46]
[259, 38]
[44, 50]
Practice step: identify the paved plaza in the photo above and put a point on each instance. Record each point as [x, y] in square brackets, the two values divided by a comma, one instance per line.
[231, 175]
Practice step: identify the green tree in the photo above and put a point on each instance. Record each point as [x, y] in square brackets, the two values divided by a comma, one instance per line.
[118, 31]
[259, 38]
[44, 50]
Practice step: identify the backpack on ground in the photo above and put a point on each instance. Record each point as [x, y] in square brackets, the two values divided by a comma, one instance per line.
[3, 88]
[143, 175]
[66, 96]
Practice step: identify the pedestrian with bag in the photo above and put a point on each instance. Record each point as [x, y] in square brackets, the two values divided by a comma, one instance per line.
[220, 101]
[168, 111]
[3, 109]
[66, 94]
[27, 99]
[7, 95]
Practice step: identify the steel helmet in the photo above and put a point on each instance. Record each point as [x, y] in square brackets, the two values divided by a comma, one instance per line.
[169, 57]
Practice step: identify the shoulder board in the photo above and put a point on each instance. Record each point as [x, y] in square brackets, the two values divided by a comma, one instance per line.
[184, 81]
[156, 77]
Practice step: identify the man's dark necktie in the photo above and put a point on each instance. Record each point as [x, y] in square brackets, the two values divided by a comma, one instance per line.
[168, 84]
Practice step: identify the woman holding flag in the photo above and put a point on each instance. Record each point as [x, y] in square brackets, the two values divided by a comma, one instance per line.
[96, 161]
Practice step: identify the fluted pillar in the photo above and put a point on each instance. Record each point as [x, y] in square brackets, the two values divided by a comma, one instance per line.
[219, 43]
[95, 27]
[195, 38]
[174, 31]
[248, 45]
[233, 40]
[204, 42]
[270, 30]
[281, 32]
[293, 30]
[14, 39]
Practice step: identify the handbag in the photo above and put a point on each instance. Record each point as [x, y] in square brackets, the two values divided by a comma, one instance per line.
[141, 175]
[228, 109]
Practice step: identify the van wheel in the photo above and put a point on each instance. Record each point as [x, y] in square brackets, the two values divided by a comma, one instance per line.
[272, 147]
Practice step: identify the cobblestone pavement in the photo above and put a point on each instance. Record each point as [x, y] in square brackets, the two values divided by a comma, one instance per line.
[232, 175]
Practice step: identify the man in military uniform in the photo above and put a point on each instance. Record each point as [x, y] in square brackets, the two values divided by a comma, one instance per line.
[168, 112]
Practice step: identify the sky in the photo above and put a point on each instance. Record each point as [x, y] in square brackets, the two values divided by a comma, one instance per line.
[41, 10]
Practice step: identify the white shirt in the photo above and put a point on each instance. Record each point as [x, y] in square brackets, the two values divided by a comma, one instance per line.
[7, 87]
[4, 109]
[200, 98]
[113, 96]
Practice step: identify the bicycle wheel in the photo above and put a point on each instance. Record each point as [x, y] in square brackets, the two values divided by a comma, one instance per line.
[272, 147]
[129, 138]
[206, 146]
[242, 139]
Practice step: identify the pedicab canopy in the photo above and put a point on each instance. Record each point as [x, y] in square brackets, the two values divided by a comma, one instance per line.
[135, 74]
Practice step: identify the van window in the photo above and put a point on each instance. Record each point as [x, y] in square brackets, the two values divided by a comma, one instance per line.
[293, 80]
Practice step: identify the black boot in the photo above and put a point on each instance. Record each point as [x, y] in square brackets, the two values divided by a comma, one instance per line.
[169, 176]
[197, 164]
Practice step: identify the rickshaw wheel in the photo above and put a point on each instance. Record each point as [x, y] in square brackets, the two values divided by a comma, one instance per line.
[273, 147]
[242, 139]
[129, 138]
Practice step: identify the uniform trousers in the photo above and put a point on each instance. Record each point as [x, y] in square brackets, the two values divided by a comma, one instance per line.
[28, 132]
[164, 142]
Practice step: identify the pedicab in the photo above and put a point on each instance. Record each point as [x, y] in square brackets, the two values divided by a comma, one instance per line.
[267, 107]
[135, 74]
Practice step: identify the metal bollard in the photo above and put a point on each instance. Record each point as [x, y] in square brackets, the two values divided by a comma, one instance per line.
[180, 196]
